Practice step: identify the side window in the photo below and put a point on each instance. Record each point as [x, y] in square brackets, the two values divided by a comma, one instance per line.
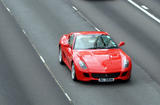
[71, 40]
[100, 42]
[106, 39]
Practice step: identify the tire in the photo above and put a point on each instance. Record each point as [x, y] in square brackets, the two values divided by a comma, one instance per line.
[73, 73]
[60, 56]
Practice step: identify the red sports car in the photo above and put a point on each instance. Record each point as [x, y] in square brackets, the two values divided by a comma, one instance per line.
[93, 55]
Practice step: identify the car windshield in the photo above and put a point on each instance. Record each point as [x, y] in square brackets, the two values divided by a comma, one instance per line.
[94, 42]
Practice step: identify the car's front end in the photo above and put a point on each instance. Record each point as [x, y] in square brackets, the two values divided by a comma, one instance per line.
[103, 66]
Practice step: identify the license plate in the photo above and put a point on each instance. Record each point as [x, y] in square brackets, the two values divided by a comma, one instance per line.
[106, 80]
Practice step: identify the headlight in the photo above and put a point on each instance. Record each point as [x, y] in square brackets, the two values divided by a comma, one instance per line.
[125, 63]
[82, 65]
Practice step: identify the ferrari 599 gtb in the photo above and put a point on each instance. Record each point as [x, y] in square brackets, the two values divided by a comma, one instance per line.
[93, 55]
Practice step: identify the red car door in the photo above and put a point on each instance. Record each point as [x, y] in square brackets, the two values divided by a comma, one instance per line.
[68, 51]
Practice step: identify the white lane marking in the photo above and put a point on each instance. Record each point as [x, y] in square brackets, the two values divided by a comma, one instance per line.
[42, 59]
[85, 18]
[68, 97]
[143, 10]
[23, 31]
[8, 9]
[145, 7]
[74, 8]
[50, 71]
[45, 64]
[97, 29]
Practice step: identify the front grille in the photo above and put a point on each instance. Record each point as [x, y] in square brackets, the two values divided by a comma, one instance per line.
[86, 74]
[106, 75]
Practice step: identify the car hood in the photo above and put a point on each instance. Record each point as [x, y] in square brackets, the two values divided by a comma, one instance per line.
[105, 60]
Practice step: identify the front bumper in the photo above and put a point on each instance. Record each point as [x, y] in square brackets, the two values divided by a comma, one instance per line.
[89, 76]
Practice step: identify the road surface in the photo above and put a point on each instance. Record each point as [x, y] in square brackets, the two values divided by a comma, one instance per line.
[24, 80]
[45, 22]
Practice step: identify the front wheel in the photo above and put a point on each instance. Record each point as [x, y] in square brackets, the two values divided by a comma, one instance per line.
[73, 73]
[60, 56]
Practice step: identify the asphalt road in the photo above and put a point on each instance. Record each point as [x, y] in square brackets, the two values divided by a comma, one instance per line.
[24, 80]
[153, 6]
[45, 21]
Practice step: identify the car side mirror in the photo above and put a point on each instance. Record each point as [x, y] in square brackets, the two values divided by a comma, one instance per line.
[121, 44]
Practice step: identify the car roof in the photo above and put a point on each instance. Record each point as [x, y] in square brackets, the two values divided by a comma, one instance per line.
[89, 32]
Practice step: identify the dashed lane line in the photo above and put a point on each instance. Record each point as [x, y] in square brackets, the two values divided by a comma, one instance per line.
[144, 10]
[42, 59]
